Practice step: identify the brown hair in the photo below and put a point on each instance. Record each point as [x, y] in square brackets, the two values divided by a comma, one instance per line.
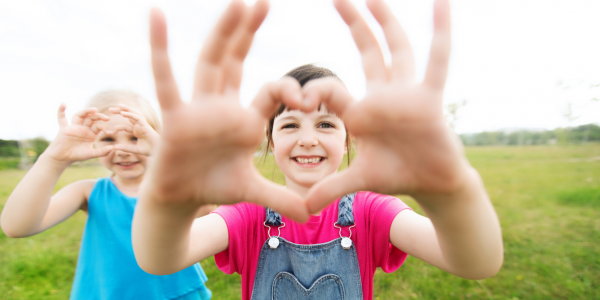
[111, 98]
[304, 74]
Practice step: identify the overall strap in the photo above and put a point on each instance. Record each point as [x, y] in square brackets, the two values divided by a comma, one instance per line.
[345, 215]
[272, 218]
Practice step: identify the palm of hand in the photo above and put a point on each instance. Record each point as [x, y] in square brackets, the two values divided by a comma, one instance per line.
[403, 142]
[206, 154]
[75, 142]
[208, 148]
[404, 145]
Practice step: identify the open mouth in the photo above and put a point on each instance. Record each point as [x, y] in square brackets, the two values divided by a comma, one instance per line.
[309, 161]
[127, 165]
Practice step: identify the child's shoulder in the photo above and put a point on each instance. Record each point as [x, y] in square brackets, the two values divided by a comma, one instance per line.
[84, 187]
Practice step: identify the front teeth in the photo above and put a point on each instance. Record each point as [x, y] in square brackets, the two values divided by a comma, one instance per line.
[312, 160]
[126, 164]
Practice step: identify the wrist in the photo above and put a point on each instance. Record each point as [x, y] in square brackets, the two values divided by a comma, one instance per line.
[468, 187]
[53, 162]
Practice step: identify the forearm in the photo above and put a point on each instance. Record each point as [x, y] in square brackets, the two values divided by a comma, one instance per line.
[161, 235]
[28, 203]
[467, 229]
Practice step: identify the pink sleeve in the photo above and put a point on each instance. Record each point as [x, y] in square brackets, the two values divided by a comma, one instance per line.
[383, 209]
[238, 218]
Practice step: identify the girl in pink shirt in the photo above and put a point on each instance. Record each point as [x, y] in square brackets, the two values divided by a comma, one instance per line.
[331, 238]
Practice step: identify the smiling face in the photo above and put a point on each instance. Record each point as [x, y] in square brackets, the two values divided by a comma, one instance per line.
[126, 166]
[308, 146]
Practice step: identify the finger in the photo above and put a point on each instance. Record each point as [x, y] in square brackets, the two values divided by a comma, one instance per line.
[62, 119]
[98, 117]
[166, 87]
[114, 110]
[134, 118]
[128, 108]
[104, 151]
[242, 41]
[329, 91]
[439, 56]
[209, 67]
[99, 126]
[372, 58]
[332, 187]
[284, 91]
[403, 64]
[88, 122]
[114, 130]
[278, 198]
[80, 116]
[131, 149]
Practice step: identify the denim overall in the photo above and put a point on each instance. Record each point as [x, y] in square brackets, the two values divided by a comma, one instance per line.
[321, 271]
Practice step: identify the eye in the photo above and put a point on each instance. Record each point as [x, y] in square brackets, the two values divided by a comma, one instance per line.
[107, 139]
[291, 125]
[325, 125]
[134, 139]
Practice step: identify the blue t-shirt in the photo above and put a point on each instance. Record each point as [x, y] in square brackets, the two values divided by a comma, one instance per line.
[107, 269]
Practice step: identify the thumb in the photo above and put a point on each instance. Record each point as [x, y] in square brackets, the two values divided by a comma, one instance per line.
[273, 94]
[333, 187]
[278, 198]
[101, 151]
[329, 91]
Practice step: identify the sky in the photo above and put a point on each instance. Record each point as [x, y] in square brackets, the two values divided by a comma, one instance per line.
[518, 64]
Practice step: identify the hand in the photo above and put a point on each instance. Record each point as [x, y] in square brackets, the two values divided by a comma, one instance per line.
[75, 142]
[403, 143]
[206, 154]
[147, 137]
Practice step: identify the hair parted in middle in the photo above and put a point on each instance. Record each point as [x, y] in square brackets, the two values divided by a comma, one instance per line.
[304, 74]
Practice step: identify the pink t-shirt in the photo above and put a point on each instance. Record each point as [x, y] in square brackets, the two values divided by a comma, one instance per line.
[373, 216]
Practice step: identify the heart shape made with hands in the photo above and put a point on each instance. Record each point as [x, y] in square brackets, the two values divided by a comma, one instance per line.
[207, 149]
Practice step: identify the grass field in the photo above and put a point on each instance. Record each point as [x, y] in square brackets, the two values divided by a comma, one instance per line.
[548, 200]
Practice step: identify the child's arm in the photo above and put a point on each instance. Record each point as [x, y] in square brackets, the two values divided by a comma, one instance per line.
[405, 147]
[31, 208]
[206, 153]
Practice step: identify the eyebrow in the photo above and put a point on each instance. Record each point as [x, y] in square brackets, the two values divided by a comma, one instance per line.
[287, 118]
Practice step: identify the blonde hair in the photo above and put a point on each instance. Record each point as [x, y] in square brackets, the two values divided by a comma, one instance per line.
[111, 98]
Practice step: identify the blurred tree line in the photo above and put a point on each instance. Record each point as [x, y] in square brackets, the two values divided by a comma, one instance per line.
[570, 135]
[22, 153]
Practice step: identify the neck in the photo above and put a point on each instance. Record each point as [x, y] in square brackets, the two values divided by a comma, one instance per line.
[128, 184]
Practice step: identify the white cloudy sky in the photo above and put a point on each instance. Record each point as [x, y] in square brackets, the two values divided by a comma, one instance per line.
[508, 56]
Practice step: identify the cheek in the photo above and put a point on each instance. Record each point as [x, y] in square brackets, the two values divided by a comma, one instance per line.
[143, 160]
[335, 147]
[106, 161]
[282, 148]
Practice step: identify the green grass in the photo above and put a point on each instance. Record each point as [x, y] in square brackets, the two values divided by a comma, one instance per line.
[547, 199]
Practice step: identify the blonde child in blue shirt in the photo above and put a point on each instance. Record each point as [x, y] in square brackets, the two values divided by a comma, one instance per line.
[120, 128]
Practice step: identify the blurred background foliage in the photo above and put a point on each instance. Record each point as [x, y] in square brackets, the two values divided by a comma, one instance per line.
[518, 137]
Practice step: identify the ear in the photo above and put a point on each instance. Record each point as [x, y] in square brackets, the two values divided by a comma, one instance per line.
[345, 150]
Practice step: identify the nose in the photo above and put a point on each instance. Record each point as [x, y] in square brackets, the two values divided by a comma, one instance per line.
[308, 138]
[122, 154]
